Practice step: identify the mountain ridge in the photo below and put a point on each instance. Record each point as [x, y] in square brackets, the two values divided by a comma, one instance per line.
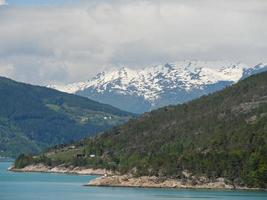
[152, 87]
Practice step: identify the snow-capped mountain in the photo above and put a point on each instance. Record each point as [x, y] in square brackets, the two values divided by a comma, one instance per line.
[144, 89]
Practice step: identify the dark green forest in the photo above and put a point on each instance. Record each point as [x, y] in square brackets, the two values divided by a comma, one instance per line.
[33, 118]
[219, 135]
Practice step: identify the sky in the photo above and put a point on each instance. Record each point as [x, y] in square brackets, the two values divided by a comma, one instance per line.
[61, 41]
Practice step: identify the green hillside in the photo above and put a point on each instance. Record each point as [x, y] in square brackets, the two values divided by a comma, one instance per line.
[220, 135]
[33, 118]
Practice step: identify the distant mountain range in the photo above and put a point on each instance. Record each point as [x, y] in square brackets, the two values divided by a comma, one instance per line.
[146, 89]
[33, 118]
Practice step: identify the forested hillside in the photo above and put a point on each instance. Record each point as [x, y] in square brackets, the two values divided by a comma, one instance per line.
[33, 118]
[219, 135]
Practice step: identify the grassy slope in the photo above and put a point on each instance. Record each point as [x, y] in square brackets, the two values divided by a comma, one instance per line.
[33, 117]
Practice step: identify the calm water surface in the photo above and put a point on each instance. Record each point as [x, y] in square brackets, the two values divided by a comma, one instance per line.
[38, 186]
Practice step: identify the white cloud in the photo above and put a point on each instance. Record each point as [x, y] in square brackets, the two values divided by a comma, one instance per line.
[7, 70]
[2, 2]
[72, 42]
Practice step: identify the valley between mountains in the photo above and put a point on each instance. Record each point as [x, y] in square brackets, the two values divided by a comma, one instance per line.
[33, 118]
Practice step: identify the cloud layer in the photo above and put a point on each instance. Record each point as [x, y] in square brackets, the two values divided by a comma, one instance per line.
[70, 42]
[2, 2]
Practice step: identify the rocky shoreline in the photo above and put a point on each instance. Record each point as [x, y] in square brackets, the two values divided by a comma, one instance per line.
[62, 169]
[109, 179]
[156, 182]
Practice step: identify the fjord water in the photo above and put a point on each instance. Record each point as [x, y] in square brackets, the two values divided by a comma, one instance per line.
[42, 186]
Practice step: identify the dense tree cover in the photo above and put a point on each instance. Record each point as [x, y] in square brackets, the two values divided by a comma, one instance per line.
[219, 135]
[33, 118]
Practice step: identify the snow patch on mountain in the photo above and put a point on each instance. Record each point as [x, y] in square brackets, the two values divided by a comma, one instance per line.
[151, 81]
[160, 85]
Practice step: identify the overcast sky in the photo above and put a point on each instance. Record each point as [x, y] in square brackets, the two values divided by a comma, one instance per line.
[60, 41]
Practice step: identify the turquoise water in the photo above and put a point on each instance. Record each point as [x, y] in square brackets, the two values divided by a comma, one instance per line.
[40, 186]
